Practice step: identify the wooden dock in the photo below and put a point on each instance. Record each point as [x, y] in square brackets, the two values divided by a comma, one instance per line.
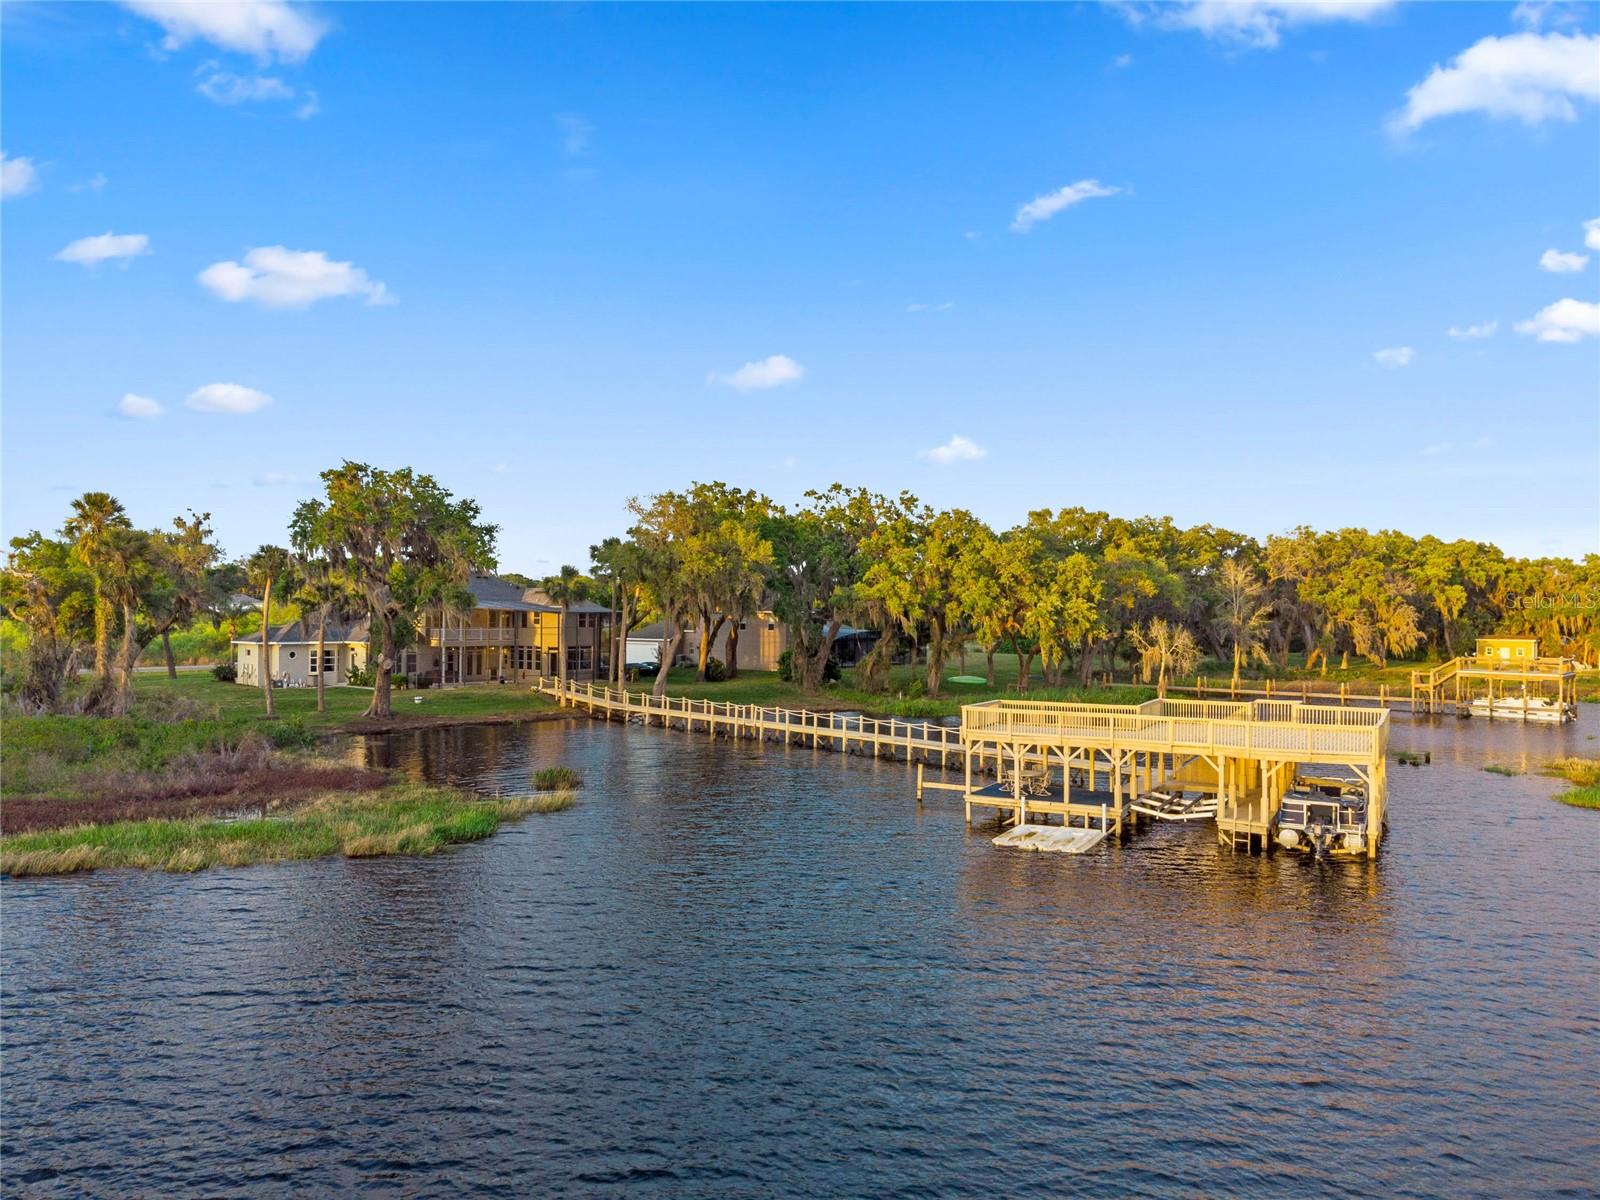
[1067, 765]
[845, 732]
[1524, 688]
[1088, 762]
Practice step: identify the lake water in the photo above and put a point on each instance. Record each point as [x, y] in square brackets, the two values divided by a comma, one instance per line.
[744, 971]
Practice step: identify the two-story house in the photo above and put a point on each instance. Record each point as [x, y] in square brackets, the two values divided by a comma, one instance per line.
[511, 634]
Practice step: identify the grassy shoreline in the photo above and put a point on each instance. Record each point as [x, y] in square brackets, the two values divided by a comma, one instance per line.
[1584, 775]
[400, 819]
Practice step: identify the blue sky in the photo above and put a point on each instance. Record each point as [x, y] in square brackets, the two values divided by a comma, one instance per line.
[560, 255]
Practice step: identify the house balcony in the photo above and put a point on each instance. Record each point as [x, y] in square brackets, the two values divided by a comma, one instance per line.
[473, 637]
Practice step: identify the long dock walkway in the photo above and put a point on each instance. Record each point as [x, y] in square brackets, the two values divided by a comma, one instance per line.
[846, 732]
[1086, 764]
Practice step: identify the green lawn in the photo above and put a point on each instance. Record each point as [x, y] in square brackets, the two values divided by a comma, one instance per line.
[903, 698]
[234, 701]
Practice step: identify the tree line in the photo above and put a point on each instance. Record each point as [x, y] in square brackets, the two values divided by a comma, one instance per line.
[1067, 591]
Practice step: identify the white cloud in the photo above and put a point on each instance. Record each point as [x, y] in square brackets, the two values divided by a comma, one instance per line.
[18, 177]
[1438, 448]
[141, 408]
[957, 449]
[1394, 356]
[227, 398]
[1257, 24]
[575, 134]
[224, 87]
[1481, 330]
[267, 29]
[1533, 77]
[1591, 234]
[1122, 61]
[1562, 262]
[946, 306]
[276, 277]
[1042, 208]
[96, 184]
[972, 235]
[1536, 14]
[103, 246]
[1564, 321]
[773, 371]
[275, 479]
[310, 106]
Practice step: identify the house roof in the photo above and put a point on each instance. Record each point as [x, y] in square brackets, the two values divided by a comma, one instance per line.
[489, 591]
[304, 632]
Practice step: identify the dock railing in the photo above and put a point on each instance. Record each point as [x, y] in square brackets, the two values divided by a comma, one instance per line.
[829, 729]
[1269, 728]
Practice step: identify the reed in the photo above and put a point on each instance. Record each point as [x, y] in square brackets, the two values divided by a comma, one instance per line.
[556, 779]
[1582, 772]
[403, 819]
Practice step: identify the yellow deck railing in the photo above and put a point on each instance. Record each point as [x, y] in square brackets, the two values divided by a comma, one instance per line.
[1270, 728]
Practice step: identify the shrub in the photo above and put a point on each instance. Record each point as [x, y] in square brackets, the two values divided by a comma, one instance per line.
[165, 708]
[556, 779]
[360, 677]
[716, 670]
[292, 734]
[225, 672]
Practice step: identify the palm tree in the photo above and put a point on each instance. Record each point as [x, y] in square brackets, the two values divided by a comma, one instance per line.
[1243, 611]
[127, 562]
[563, 589]
[94, 516]
[323, 591]
[265, 569]
[1165, 647]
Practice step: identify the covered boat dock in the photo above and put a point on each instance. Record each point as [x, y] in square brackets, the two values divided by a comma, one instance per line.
[1091, 764]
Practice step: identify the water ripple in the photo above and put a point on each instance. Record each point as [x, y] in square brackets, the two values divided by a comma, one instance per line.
[751, 971]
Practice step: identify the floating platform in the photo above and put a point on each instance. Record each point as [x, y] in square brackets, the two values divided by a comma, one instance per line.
[1051, 839]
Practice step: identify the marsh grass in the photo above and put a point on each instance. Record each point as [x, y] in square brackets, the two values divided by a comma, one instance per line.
[403, 819]
[556, 779]
[1497, 769]
[1582, 772]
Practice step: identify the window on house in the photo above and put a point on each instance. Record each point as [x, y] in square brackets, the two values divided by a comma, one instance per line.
[578, 658]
